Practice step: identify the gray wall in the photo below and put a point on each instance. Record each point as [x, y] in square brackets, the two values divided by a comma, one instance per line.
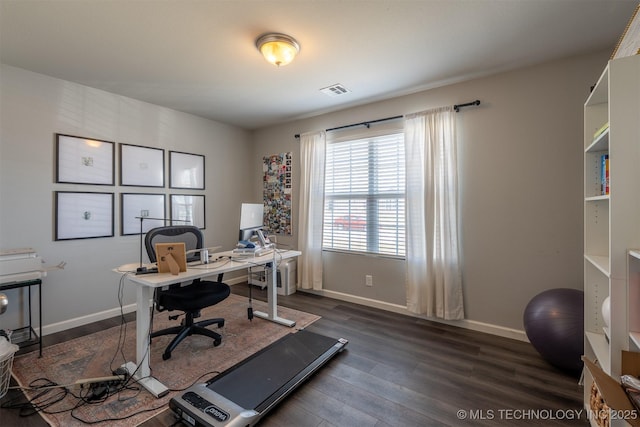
[520, 156]
[34, 108]
[521, 192]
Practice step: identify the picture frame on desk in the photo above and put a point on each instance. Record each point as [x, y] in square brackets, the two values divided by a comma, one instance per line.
[186, 171]
[135, 207]
[84, 160]
[141, 166]
[188, 209]
[83, 215]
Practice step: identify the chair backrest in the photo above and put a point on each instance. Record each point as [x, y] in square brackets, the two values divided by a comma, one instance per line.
[191, 236]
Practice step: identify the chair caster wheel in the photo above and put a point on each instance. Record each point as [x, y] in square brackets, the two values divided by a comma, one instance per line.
[166, 356]
[216, 342]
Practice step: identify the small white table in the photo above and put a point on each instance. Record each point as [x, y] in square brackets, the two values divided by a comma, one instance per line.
[146, 283]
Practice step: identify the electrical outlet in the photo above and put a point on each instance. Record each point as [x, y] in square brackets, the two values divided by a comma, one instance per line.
[368, 280]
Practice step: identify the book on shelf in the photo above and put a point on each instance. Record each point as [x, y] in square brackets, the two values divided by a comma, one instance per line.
[604, 174]
[601, 130]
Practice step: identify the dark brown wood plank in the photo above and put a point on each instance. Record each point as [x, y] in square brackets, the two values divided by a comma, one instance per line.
[402, 371]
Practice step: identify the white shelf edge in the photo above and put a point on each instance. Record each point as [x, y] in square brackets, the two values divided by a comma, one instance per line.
[599, 94]
[634, 253]
[600, 347]
[600, 143]
[597, 198]
[600, 262]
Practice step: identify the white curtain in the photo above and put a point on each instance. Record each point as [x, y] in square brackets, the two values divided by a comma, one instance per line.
[312, 161]
[434, 283]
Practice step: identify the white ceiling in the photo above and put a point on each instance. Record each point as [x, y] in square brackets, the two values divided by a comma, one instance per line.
[199, 56]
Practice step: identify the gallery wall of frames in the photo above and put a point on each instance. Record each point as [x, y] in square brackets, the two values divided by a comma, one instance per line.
[146, 203]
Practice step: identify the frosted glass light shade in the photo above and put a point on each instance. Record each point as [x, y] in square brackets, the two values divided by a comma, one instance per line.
[278, 49]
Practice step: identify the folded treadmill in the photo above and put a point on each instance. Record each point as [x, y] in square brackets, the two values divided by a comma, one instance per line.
[244, 393]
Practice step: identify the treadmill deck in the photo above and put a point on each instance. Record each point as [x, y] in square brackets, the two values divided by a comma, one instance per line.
[244, 393]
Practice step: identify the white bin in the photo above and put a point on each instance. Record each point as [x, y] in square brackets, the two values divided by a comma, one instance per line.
[7, 350]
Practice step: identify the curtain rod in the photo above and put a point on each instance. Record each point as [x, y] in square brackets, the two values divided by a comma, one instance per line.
[367, 124]
[457, 107]
[370, 122]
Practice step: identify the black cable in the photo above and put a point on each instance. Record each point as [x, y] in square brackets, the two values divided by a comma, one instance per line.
[40, 401]
[48, 393]
[142, 411]
[79, 418]
[123, 326]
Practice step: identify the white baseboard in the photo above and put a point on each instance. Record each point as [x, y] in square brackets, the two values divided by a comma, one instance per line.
[396, 308]
[83, 320]
[106, 314]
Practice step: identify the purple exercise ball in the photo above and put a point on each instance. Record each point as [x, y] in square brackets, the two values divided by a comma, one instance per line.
[554, 323]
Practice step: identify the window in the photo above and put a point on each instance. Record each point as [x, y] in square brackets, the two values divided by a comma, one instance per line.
[364, 208]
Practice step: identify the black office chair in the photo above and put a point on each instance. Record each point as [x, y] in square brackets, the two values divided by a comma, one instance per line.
[189, 298]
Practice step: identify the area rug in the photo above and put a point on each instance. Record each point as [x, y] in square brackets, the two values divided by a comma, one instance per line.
[194, 360]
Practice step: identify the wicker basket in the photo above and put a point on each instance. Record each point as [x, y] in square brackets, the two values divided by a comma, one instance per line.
[6, 362]
[599, 409]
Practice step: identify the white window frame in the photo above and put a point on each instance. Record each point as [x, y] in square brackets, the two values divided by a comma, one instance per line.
[355, 229]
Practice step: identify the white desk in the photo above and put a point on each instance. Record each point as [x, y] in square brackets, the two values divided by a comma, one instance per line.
[146, 283]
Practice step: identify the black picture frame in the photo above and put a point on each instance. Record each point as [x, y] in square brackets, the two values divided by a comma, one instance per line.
[141, 166]
[82, 160]
[141, 211]
[83, 215]
[186, 171]
[188, 209]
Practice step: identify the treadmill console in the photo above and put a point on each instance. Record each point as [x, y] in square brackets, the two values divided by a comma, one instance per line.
[194, 410]
[207, 407]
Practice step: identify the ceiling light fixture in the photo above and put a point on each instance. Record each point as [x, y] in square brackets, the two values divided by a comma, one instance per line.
[278, 49]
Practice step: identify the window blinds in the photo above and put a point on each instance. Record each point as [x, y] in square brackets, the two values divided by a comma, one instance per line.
[364, 195]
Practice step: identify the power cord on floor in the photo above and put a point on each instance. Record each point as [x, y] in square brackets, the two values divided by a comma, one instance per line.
[48, 394]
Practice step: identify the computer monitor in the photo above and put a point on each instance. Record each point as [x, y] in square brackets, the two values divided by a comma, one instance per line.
[251, 218]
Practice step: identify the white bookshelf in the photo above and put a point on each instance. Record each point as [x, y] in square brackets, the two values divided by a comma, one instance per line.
[633, 299]
[612, 221]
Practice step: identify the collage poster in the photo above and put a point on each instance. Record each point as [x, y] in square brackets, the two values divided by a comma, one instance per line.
[277, 193]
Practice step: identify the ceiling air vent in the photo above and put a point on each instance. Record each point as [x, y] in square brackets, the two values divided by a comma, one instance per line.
[335, 90]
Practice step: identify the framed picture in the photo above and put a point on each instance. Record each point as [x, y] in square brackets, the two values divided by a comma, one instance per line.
[141, 212]
[84, 161]
[186, 170]
[629, 42]
[141, 166]
[82, 215]
[187, 209]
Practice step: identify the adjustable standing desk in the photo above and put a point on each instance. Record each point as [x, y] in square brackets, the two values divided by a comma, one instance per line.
[146, 283]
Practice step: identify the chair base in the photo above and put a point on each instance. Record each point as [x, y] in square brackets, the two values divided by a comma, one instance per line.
[189, 328]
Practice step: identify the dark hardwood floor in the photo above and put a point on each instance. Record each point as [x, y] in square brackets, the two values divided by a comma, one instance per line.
[402, 371]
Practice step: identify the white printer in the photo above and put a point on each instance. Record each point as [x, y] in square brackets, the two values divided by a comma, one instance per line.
[20, 265]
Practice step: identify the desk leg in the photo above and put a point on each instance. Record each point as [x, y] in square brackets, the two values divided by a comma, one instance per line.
[272, 299]
[142, 372]
[39, 315]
